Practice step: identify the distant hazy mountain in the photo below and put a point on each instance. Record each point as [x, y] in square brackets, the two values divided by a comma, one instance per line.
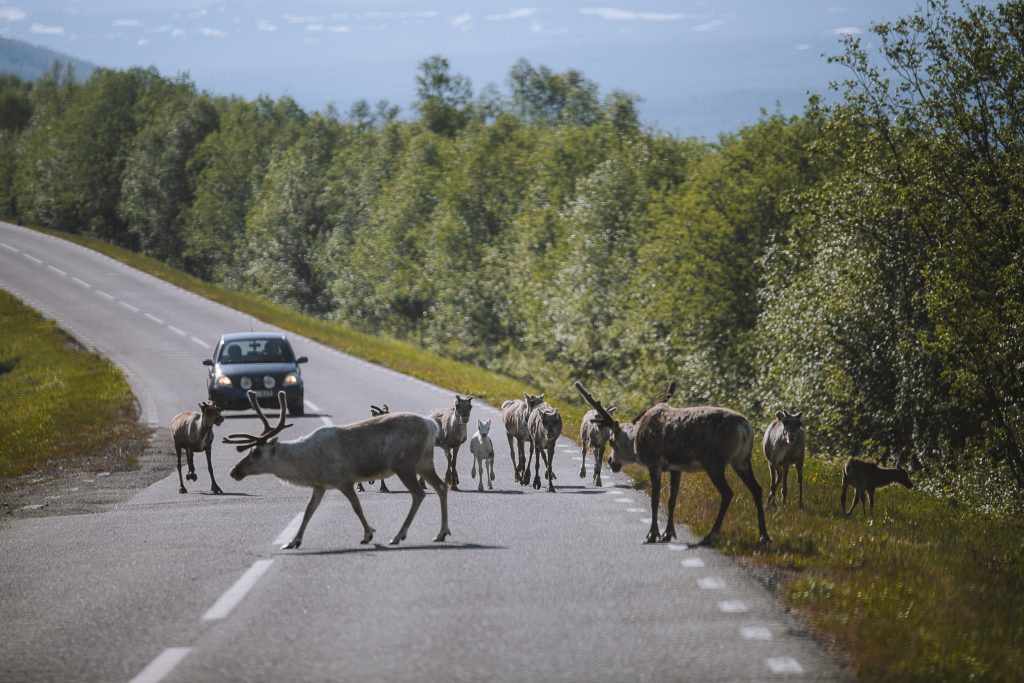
[29, 62]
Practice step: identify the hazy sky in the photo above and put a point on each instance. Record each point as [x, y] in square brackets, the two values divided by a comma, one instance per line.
[700, 66]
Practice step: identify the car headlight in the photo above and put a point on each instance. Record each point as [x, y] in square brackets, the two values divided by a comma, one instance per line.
[246, 383]
[223, 381]
[291, 378]
[269, 382]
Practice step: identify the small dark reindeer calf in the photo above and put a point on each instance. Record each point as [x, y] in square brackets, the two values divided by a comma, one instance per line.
[685, 440]
[865, 477]
[193, 432]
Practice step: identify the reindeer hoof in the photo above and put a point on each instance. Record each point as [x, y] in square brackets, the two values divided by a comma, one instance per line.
[397, 539]
[652, 537]
[597, 481]
[443, 534]
[191, 476]
[182, 490]
[369, 537]
[583, 473]
[292, 545]
[667, 536]
[216, 490]
[480, 487]
[766, 539]
[359, 487]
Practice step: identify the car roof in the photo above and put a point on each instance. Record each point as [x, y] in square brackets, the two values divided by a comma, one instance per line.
[243, 336]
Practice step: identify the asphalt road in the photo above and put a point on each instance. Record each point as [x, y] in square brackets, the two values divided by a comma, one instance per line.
[532, 586]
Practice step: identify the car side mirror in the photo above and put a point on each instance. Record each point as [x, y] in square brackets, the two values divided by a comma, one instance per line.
[302, 359]
[207, 361]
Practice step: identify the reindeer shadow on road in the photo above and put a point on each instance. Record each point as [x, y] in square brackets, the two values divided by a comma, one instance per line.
[380, 547]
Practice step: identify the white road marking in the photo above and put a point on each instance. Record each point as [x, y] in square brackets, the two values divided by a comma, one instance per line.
[623, 500]
[678, 546]
[636, 509]
[8, 247]
[692, 563]
[732, 606]
[227, 602]
[712, 583]
[614, 492]
[57, 270]
[129, 306]
[155, 319]
[200, 342]
[755, 633]
[81, 282]
[175, 330]
[32, 258]
[289, 531]
[161, 666]
[104, 295]
[784, 665]
[646, 520]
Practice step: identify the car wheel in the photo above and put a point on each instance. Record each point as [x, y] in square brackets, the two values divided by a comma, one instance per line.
[297, 408]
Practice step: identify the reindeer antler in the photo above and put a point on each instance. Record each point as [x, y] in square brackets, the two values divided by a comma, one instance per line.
[244, 441]
[668, 392]
[605, 415]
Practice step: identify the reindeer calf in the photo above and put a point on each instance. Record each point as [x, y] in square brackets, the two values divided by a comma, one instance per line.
[376, 411]
[193, 432]
[865, 477]
[483, 454]
[594, 436]
[784, 446]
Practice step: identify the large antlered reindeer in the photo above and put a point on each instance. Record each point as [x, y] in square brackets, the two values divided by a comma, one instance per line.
[684, 440]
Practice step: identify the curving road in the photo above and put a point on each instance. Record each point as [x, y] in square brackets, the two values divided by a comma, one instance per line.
[532, 586]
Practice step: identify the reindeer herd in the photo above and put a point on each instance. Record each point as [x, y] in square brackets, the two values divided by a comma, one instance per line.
[662, 439]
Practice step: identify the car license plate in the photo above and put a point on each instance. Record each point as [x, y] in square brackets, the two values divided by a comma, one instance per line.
[264, 393]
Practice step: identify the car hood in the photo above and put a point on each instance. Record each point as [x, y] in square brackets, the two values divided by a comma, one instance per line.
[240, 369]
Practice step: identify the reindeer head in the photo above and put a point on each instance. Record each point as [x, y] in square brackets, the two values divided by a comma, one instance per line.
[483, 426]
[622, 436]
[211, 413]
[262, 445]
[532, 401]
[791, 424]
[902, 477]
[463, 404]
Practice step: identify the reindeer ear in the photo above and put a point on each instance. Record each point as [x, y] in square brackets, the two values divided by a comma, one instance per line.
[797, 415]
[780, 414]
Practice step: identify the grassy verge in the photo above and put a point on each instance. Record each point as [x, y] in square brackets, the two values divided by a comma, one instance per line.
[56, 398]
[925, 590]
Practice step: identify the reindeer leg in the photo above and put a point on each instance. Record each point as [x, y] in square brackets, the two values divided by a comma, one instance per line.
[181, 482]
[350, 492]
[598, 460]
[311, 506]
[549, 461]
[455, 465]
[512, 455]
[409, 479]
[655, 475]
[842, 498]
[536, 457]
[480, 462]
[748, 478]
[430, 477]
[673, 492]
[871, 494]
[722, 484]
[773, 474]
[521, 467]
[800, 479]
[209, 465]
[490, 472]
[583, 465]
[784, 475]
[191, 475]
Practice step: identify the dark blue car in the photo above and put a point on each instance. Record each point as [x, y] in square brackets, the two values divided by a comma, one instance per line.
[261, 361]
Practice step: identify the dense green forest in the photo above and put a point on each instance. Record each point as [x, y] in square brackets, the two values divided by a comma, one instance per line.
[861, 262]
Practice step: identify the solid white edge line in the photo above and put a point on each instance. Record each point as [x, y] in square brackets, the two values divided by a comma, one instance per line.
[234, 595]
[289, 531]
[161, 666]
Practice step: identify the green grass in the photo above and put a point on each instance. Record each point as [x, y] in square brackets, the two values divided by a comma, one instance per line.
[927, 590]
[57, 400]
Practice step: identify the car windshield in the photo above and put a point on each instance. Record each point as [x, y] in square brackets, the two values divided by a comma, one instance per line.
[256, 351]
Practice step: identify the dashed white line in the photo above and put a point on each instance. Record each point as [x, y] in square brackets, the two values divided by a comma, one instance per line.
[32, 258]
[636, 509]
[57, 270]
[784, 665]
[712, 583]
[161, 666]
[755, 633]
[678, 546]
[155, 319]
[692, 563]
[129, 306]
[9, 247]
[289, 531]
[104, 295]
[200, 342]
[623, 500]
[645, 520]
[227, 602]
[732, 606]
[175, 330]
[81, 282]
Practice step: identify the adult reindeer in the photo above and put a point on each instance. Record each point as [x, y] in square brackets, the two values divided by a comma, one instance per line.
[685, 440]
[515, 416]
[339, 456]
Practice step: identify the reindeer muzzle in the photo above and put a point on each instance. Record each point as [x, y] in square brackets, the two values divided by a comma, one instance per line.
[237, 474]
